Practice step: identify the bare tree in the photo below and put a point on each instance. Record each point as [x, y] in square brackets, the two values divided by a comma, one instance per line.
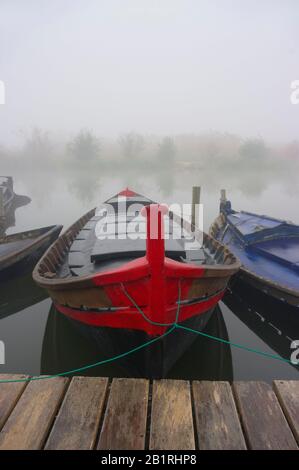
[166, 152]
[84, 147]
[132, 145]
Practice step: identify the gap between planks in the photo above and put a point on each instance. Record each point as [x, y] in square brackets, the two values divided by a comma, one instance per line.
[91, 412]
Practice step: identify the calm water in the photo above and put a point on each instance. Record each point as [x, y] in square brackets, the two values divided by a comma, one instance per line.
[39, 340]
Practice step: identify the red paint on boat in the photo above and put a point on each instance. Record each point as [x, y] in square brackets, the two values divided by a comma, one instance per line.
[132, 319]
[152, 281]
[127, 192]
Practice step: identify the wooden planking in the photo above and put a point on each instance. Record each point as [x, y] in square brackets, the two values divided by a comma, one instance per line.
[263, 420]
[27, 413]
[76, 425]
[217, 422]
[171, 417]
[124, 425]
[287, 392]
[9, 395]
[29, 423]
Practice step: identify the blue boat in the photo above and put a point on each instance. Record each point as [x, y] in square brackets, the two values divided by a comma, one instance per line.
[268, 249]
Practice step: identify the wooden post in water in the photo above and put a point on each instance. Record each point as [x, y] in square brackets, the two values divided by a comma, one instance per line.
[195, 203]
[223, 195]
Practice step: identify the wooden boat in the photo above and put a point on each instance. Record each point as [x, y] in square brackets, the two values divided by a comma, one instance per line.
[17, 250]
[268, 249]
[124, 292]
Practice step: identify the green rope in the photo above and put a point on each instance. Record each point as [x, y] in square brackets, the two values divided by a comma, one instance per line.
[148, 319]
[90, 366]
[236, 345]
[131, 351]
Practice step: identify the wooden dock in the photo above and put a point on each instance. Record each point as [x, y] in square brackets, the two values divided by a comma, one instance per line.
[99, 413]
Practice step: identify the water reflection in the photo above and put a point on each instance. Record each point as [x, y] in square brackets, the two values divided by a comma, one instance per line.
[64, 349]
[34, 339]
[272, 321]
[19, 293]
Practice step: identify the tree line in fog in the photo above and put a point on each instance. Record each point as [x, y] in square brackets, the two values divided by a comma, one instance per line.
[85, 149]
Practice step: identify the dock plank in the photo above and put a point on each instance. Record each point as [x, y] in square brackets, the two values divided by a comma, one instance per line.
[31, 419]
[76, 425]
[217, 421]
[287, 392]
[263, 421]
[9, 395]
[124, 425]
[171, 416]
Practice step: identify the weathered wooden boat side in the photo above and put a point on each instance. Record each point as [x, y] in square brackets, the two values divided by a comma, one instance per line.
[268, 250]
[123, 301]
[76, 292]
[17, 249]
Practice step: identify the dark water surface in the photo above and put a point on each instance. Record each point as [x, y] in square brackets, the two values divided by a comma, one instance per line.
[39, 340]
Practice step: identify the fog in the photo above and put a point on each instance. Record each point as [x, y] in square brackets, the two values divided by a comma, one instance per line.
[168, 67]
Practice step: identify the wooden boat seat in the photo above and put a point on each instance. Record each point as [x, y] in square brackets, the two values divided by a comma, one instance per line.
[112, 249]
[92, 248]
[196, 256]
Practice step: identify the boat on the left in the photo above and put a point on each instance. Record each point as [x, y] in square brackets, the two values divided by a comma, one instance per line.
[18, 249]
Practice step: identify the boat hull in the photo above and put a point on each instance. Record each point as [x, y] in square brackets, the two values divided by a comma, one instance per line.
[269, 288]
[18, 262]
[152, 361]
[259, 270]
[154, 288]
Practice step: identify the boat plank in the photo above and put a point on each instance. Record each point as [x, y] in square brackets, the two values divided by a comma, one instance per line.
[287, 392]
[31, 419]
[263, 421]
[10, 392]
[171, 416]
[124, 425]
[78, 419]
[217, 422]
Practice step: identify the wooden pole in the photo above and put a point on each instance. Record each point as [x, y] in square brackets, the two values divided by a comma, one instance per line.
[195, 203]
[223, 195]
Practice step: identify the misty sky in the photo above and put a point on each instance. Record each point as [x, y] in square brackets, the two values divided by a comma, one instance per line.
[155, 67]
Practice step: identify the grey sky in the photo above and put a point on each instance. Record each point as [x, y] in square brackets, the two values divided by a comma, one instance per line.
[161, 67]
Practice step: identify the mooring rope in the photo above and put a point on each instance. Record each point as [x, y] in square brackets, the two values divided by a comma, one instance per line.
[173, 325]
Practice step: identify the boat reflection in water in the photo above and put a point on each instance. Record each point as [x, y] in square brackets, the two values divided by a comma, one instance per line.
[273, 322]
[65, 348]
[19, 293]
